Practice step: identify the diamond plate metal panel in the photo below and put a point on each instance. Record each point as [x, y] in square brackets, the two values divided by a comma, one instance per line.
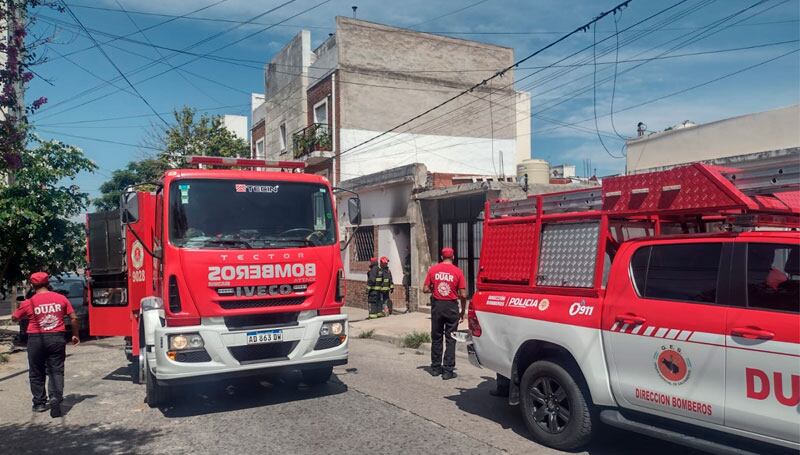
[568, 254]
[684, 188]
[507, 256]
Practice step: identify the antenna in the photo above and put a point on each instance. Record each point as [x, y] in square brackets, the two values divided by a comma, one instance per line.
[354, 10]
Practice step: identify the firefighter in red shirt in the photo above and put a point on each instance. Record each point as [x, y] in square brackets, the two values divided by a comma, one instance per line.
[447, 284]
[45, 312]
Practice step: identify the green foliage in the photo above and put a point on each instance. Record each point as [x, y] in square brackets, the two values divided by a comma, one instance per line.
[37, 212]
[367, 333]
[415, 339]
[189, 136]
[204, 136]
[135, 172]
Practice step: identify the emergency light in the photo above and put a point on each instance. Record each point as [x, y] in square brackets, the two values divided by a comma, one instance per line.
[244, 162]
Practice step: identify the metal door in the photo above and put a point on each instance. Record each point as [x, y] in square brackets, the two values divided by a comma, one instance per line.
[461, 228]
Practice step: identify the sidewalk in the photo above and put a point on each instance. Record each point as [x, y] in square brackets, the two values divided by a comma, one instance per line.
[393, 329]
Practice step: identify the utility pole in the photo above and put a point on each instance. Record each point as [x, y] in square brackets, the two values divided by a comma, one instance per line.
[15, 20]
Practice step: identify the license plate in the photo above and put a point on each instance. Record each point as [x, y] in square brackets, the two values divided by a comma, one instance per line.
[264, 336]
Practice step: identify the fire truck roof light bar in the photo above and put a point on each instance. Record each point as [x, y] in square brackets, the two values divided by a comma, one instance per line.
[245, 162]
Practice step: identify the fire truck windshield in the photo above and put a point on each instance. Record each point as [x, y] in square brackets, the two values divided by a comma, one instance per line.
[232, 214]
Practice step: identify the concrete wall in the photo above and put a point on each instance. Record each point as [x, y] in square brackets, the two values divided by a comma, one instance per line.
[383, 82]
[763, 131]
[236, 124]
[285, 98]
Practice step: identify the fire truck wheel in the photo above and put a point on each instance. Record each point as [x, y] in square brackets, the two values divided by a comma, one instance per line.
[556, 406]
[317, 376]
[155, 394]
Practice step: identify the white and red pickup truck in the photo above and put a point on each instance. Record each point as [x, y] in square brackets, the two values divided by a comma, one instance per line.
[658, 303]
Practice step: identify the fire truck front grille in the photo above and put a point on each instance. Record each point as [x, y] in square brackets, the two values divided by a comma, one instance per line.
[255, 321]
[261, 303]
[327, 343]
[268, 352]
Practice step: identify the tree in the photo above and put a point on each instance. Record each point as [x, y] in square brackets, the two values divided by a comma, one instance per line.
[189, 136]
[37, 213]
[206, 136]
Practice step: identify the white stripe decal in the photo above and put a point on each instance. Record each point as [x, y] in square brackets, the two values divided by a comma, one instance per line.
[614, 327]
[649, 331]
[672, 334]
[624, 328]
[661, 332]
[684, 335]
[637, 329]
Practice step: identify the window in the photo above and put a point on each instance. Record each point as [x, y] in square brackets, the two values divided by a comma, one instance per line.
[260, 155]
[321, 112]
[282, 134]
[773, 276]
[682, 272]
[364, 240]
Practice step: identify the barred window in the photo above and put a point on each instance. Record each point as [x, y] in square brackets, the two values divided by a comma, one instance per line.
[365, 243]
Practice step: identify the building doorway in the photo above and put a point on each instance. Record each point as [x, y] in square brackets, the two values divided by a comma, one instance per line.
[461, 228]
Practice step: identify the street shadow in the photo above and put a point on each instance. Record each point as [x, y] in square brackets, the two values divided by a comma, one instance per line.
[234, 395]
[123, 374]
[72, 400]
[39, 438]
[608, 440]
[425, 368]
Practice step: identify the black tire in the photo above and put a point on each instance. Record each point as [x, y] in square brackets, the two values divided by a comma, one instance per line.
[155, 394]
[317, 375]
[556, 406]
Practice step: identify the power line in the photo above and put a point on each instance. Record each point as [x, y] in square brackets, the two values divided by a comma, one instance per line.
[110, 119]
[594, 96]
[450, 13]
[102, 51]
[487, 80]
[108, 141]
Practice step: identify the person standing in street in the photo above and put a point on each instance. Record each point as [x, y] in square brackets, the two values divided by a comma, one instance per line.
[447, 285]
[387, 286]
[45, 311]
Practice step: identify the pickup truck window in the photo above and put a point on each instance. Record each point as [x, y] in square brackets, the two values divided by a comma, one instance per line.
[682, 272]
[773, 276]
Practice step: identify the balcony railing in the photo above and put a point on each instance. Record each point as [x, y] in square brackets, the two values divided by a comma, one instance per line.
[313, 138]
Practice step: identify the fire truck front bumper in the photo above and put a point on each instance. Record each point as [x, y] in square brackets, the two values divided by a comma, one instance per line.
[213, 349]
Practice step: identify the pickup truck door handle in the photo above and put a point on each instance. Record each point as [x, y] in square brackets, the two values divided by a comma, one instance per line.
[630, 319]
[752, 333]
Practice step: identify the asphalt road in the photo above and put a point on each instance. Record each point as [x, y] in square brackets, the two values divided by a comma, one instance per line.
[382, 402]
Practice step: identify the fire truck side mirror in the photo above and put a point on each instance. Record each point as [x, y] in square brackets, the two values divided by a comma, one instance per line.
[129, 207]
[354, 211]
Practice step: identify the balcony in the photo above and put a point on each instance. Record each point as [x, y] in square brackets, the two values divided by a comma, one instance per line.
[313, 144]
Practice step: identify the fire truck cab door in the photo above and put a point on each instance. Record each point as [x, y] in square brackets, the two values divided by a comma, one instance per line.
[763, 354]
[663, 324]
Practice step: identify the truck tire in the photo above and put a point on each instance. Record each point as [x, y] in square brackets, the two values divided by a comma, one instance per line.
[556, 405]
[155, 394]
[317, 375]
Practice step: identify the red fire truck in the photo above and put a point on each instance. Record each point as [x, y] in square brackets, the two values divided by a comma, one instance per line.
[664, 303]
[222, 272]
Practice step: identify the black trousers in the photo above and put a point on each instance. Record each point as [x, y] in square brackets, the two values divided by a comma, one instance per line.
[444, 321]
[46, 354]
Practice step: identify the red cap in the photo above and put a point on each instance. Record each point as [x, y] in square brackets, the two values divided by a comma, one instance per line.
[384, 260]
[39, 278]
[448, 253]
[373, 260]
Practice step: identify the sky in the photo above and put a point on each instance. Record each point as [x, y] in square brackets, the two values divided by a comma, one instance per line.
[701, 60]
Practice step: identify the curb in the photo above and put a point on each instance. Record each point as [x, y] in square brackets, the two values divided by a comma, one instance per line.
[397, 341]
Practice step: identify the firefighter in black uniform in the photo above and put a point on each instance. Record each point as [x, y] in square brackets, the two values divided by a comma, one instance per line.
[374, 288]
[387, 286]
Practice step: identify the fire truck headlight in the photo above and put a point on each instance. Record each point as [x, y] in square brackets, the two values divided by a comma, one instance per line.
[185, 341]
[331, 328]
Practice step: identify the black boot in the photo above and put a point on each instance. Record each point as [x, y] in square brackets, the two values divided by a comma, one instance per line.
[39, 407]
[436, 370]
[448, 375]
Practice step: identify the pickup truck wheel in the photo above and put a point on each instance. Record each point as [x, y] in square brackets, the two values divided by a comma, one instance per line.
[317, 376]
[155, 394]
[555, 406]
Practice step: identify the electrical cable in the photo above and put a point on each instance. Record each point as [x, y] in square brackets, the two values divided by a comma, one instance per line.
[614, 86]
[594, 101]
[449, 13]
[110, 60]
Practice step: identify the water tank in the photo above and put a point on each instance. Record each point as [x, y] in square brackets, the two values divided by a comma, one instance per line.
[538, 171]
